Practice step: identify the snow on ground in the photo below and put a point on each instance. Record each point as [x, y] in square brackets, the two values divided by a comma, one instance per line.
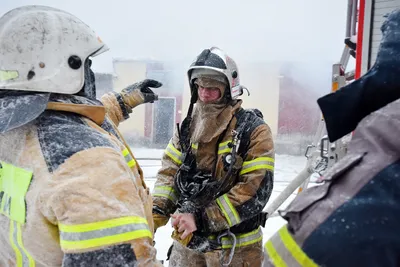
[286, 168]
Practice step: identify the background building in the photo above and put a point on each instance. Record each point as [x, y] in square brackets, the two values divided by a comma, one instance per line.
[287, 105]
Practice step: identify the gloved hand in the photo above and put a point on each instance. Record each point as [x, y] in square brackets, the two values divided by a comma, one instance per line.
[140, 93]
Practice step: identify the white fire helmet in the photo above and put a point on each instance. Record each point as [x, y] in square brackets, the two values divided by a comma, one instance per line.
[214, 59]
[44, 49]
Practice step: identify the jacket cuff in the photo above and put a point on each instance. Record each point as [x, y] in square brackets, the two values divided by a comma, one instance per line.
[200, 220]
[125, 111]
[158, 210]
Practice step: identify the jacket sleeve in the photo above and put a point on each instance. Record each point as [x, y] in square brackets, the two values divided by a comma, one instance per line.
[115, 107]
[94, 201]
[165, 197]
[249, 196]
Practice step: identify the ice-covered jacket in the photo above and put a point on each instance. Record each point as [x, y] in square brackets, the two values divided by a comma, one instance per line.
[238, 205]
[71, 191]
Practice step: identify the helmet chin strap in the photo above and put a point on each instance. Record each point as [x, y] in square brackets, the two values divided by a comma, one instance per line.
[248, 92]
[183, 131]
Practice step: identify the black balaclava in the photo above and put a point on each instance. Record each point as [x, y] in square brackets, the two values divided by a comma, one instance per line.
[89, 87]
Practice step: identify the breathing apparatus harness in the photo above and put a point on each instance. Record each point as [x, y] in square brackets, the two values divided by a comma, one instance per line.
[198, 188]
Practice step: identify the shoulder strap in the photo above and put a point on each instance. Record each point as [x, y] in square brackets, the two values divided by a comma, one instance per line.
[247, 121]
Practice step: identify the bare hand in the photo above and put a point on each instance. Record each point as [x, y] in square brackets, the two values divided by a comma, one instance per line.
[185, 223]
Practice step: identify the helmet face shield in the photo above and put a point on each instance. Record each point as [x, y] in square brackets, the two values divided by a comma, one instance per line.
[215, 60]
[103, 49]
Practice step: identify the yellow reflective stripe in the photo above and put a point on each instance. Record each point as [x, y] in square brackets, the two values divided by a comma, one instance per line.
[14, 185]
[252, 241]
[125, 152]
[103, 233]
[294, 249]
[131, 163]
[6, 75]
[246, 163]
[166, 192]
[284, 251]
[224, 212]
[274, 256]
[173, 153]
[224, 148]
[101, 225]
[243, 239]
[260, 163]
[128, 158]
[228, 210]
[105, 241]
[23, 258]
[224, 143]
[195, 146]
[21, 245]
[18, 255]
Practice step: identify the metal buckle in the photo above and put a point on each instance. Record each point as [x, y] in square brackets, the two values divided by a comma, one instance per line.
[228, 233]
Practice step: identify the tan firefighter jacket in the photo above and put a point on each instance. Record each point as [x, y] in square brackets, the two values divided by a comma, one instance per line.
[71, 192]
[237, 206]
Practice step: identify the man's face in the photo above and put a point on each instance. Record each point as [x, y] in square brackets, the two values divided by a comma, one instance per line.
[210, 90]
[209, 94]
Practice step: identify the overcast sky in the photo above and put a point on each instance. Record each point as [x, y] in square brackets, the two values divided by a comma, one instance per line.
[311, 31]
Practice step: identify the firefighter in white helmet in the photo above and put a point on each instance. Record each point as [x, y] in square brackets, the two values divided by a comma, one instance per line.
[71, 192]
[217, 172]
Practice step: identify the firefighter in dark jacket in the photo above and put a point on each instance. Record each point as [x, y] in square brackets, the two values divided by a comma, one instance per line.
[217, 172]
[353, 218]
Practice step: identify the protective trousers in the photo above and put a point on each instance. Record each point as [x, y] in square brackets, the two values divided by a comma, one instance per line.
[246, 256]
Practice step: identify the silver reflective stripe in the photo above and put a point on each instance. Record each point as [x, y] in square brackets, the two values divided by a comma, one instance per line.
[174, 154]
[165, 191]
[264, 162]
[243, 239]
[81, 236]
[284, 251]
[128, 158]
[22, 256]
[228, 210]
[7, 204]
[260, 163]
[102, 233]
[25, 261]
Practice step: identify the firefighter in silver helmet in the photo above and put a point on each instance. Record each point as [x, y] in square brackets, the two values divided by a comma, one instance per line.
[217, 172]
